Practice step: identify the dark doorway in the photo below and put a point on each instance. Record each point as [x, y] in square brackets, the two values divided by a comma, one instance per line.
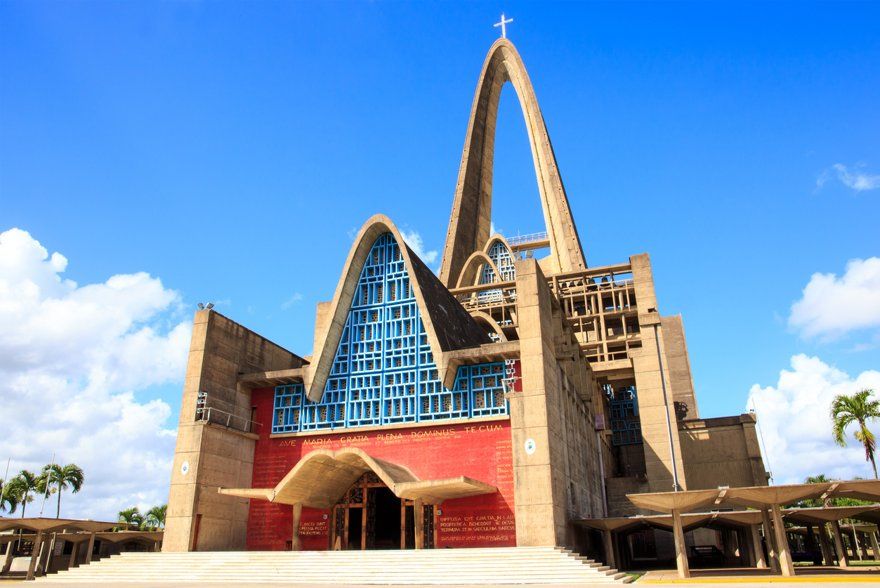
[355, 527]
[409, 531]
[386, 528]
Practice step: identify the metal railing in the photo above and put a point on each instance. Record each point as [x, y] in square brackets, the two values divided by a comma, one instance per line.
[520, 240]
[226, 419]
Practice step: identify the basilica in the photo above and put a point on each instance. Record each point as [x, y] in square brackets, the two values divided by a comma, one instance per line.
[507, 401]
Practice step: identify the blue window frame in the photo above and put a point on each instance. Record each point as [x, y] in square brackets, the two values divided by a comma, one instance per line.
[626, 425]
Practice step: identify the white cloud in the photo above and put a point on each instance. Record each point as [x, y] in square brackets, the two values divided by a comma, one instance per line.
[71, 359]
[833, 306]
[852, 178]
[414, 240]
[795, 421]
[295, 298]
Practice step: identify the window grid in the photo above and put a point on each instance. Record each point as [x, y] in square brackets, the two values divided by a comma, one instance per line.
[383, 371]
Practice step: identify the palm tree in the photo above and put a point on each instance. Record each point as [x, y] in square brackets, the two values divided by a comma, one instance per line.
[63, 477]
[8, 496]
[858, 408]
[131, 516]
[155, 517]
[22, 486]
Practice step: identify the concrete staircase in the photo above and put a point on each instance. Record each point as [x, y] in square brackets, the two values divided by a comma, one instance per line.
[505, 565]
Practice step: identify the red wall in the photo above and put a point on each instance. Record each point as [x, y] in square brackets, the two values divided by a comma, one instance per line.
[480, 450]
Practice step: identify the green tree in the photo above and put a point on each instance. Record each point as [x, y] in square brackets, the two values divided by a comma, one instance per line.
[858, 409]
[8, 496]
[155, 518]
[131, 516]
[63, 477]
[23, 486]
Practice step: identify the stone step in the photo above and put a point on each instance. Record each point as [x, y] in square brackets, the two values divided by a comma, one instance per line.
[513, 565]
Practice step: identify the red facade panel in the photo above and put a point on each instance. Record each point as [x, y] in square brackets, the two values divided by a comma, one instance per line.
[480, 450]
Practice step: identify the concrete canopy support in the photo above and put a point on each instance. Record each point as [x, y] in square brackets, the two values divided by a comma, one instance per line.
[681, 560]
[35, 554]
[757, 549]
[842, 559]
[471, 215]
[771, 544]
[295, 541]
[74, 550]
[786, 565]
[7, 562]
[90, 548]
[419, 523]
[608, 544]
[827, 554]
[875, 548]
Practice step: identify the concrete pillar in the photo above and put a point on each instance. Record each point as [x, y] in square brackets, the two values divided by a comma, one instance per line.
[757, 548]
[7, 563]
[771, 544]
[419, 520]
[35, 554]
[50, 553]
[74, 549]
[295, 541]
[857, 550]
[875, 548]
[90, 548]
[786, 564]
[681, 560]
[827, 555]
[842, 560]
[608, 544]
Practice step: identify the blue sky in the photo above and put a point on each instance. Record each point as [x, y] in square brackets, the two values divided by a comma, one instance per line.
[230, 149]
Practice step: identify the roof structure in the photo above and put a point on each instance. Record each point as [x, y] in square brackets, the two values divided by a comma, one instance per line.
[755, 496]
[38, 524]
[448, 325]
[322, 477]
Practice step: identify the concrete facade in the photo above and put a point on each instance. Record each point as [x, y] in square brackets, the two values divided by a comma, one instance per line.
[603, 403]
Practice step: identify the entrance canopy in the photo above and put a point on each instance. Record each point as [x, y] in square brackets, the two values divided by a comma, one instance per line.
[754, 496]
[323, 476]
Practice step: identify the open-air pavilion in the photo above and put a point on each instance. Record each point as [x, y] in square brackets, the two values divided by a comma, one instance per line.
[44, 534]
[750, 510]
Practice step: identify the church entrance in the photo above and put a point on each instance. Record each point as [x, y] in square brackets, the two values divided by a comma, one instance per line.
[370, 516]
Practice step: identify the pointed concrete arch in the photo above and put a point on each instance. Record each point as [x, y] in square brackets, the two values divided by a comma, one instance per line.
[447, 325]
[323, 476]
[494, 239]
[470, 221]
[470, 273]
[481, 316]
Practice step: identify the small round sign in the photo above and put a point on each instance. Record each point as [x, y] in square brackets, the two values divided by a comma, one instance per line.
[530, 446]
[184, 468]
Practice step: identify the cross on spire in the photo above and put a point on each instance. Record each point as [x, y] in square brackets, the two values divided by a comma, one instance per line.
[503, 24]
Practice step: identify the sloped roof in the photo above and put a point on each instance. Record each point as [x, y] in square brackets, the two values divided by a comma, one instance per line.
[447, 324]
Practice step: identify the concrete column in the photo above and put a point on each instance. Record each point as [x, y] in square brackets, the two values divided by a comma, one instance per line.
[295, 541]
[7, 563]
[35, 554]
[681, 560]
[74, 550]
[50, 553]
[785, 563]
[768, 537]
[419, 520]
[875, 548]
[857, 550]
[842, 560]
[608, 544]
[757, 549]
[90, 548]
[827, 555]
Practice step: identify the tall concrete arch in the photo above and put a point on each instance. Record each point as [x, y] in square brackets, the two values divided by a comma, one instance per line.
[472, 208]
